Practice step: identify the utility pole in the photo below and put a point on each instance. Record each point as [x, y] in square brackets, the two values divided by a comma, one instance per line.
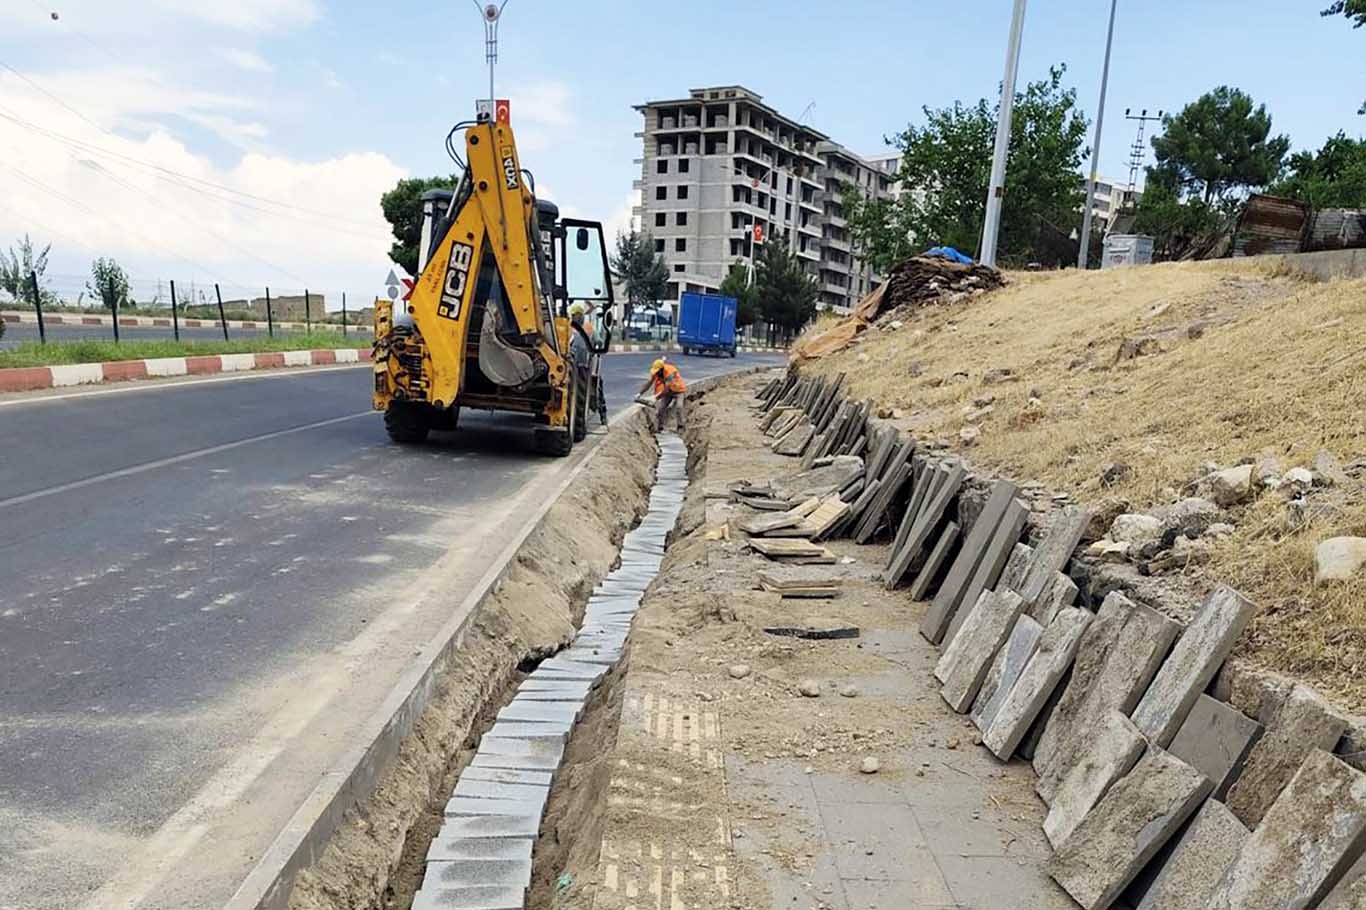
[996, 190]
[491, 12]
[1084, 248]
[1137, 151]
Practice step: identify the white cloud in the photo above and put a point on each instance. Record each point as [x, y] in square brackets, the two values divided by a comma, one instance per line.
[164, 226]
[622, 218]
[259, 15]
[240, 133]
[247, 60]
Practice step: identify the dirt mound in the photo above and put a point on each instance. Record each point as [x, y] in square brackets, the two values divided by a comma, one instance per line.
[914, 282]
[1120, 386]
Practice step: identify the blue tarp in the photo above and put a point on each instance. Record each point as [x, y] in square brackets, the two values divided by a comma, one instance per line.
[949, 253]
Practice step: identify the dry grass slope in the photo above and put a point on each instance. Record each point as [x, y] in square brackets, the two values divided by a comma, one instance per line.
[1234, 360]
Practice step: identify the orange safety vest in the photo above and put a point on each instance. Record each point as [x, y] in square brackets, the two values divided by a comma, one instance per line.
[668, 377]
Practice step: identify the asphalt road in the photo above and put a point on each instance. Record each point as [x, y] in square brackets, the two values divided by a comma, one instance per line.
[19, 332]
[186, 567]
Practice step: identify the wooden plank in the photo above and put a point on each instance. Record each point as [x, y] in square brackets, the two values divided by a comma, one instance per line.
[935, 562]
[925, 524]
[949, 598]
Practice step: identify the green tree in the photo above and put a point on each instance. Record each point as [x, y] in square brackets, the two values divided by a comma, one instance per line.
[1220, 145]
[1175, 222]
[403, 210]
[109, 282]
[1332, 177]
[784, 294]
[640, 268]
[946, 168]
[1355, 10]
[736, 284]
[1352, 9]
[17, 265]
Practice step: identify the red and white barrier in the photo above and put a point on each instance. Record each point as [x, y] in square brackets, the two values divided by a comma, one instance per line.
[133, 322]
[26, 379]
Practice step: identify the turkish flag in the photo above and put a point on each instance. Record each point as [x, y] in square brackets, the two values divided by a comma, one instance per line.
[758, 233]
[502, 111]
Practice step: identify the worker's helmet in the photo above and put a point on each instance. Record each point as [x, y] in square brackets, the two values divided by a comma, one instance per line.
[657, 365]
[578, 308]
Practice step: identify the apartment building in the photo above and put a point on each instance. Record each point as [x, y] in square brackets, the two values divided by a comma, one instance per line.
[844, 277]
[722, 172]
[1109, 199]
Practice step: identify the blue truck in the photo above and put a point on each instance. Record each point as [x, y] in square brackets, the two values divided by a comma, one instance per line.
[706, 323]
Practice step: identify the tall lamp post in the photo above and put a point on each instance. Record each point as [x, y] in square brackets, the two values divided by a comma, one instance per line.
[996, 190]
[1085, 245]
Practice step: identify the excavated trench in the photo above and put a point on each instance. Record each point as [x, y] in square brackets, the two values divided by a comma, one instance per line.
[525, 636]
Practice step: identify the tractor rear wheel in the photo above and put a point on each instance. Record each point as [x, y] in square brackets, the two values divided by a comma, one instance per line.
[406, 422]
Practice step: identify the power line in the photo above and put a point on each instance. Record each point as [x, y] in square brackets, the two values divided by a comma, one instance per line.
[148, 164]
[34, 181]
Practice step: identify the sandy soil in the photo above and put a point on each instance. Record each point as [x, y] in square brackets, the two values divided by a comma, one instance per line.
[1160, 369]
[376, 861]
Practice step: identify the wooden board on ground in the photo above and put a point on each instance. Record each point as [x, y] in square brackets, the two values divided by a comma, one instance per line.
[787, 548]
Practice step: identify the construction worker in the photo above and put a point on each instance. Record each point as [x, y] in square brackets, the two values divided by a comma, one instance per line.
[669, 388]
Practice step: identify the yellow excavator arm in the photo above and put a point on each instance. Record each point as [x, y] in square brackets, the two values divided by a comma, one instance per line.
[480, 328]
[500, 219]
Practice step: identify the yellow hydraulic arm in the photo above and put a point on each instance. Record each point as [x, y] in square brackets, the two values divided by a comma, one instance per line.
[499, 219]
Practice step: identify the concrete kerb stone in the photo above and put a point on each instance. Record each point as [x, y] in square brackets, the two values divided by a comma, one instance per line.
[1041, 675]
[470, 873]
[509, 775]
[1114, 746]
[519, 761]
[1207, 848]
[1305, 722]
[949, 599]
[965, 662]
[500, 780]
[1304, 844]
[1194, 661]
[353, 777]
[458, 806]
[999, 547]
[504, 848]
[1115, 662]
[480, 897]
[493, 789]
[1215, 740]
[1126, 828]
[1005, 670]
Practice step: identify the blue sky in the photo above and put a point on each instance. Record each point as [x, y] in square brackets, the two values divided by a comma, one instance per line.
[320, 105]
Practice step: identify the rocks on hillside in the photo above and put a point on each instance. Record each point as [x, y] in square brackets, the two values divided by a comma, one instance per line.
[1134, 527]
[1231, 486]
[1339, 558]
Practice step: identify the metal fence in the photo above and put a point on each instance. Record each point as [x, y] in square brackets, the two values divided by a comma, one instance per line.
[188, 304]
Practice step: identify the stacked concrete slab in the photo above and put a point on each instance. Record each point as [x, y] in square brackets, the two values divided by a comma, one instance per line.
[1161, 795]
[482, 857]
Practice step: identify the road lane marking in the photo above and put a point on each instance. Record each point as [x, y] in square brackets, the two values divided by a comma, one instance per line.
[174, 459]
[162, 386]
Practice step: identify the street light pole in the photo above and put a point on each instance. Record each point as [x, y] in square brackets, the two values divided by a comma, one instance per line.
[1085, 245]
[991, 226]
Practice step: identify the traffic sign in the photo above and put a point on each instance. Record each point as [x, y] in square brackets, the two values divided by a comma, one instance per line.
[391, 285]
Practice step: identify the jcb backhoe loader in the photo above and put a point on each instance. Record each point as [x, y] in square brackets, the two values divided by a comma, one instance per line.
[486, 324]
